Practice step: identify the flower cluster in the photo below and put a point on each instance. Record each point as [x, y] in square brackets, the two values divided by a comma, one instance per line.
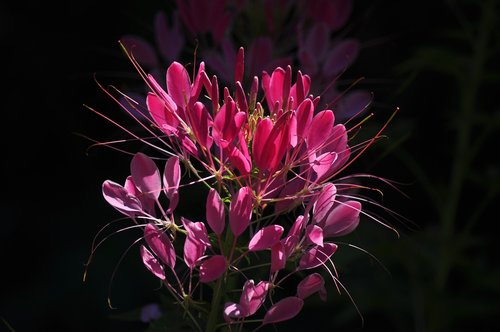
[274, 202]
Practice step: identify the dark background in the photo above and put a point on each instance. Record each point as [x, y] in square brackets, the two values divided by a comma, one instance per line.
[51, 206]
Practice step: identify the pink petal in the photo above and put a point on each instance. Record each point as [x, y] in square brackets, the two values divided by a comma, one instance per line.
[178, 84]
[212, 268]
[283, 310]
[233, 311]
[290, 245]
[343, 219]
[200, 123]
[253, 296]
[311, 284]
[147, 202]
[197, 231]
[260, 147]
[265, 237]
[300, 89]
[314, 234]
[275, 93]
[152, 263]
[239, 160]
[304, 116]
[324, 203]
[323, 164]
[278, 257]
[193, 251]
[119, 198]
[317, 256]
[240, 210]
[171, 180]
[240, 65]
[146, 175]
[216, 215]
[162, 113]
[320, 130]
[160, 244]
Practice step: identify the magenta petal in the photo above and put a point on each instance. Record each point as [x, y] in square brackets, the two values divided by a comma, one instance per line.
[163, 112]
[283, 310]
[240, 210]
[275, 93]
[119, 198]
[200, 123]
[215, 212]
[253, 296]
[146, 175]
[323, 163]
[197, 231]
[311, 284]
[290, 244]
[314, 234]
[278, 257]
[233, 311]
[171, 180]
[262, 149]
[265, 237]
[320, 130]
[160, 244]
[212, 268]
[317, 256]
[343, 219]
[304, 116]
[324, 203]
[178, 84]
[193, 251]
[152, 263]
[147, 202]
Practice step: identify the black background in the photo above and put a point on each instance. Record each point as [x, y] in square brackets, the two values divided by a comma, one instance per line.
[51, 204]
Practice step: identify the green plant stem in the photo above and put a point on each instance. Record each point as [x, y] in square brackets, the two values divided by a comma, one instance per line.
[461, 164]
[215, 308]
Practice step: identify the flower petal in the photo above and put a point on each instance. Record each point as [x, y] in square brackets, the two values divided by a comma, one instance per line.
[343, 219]
[240, 211]
[152, 263]
[311, 284]
[317, 256]
[178, 84]
[146, 175]
[197, 231]
[233, 311]
[216, 215]
[212, 268]
[314, 234]
[324, 203]
[119, 198]
[160, 244]
[283, 310]
[265, 237]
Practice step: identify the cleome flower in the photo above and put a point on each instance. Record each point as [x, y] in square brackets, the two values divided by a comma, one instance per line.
[265, 154]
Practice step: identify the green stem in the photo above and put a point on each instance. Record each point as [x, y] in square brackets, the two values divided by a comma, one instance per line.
[461, 164]
[215, 308]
